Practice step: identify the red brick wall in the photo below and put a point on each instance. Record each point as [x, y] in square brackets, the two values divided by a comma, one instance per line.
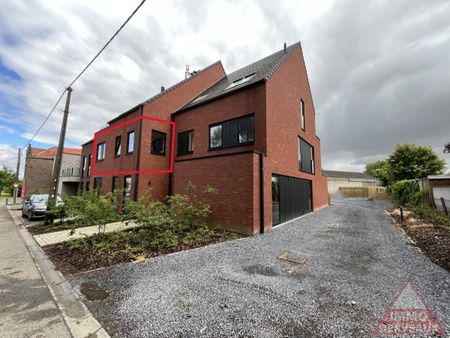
[162, 108]
[285, 89]
[232, 176]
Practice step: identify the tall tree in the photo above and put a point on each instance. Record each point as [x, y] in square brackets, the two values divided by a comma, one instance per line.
[7, 178]
[379, 169]
[409, 161]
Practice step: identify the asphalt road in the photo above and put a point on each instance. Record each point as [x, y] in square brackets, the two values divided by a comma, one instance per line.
[357, 261]
[27, 308]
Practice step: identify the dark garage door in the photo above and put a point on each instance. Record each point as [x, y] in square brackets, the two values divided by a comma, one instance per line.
[291, 198]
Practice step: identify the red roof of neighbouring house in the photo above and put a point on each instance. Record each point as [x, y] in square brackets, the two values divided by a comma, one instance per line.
[51, 152]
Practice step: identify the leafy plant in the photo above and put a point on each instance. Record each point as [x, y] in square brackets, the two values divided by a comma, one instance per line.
[404, 191]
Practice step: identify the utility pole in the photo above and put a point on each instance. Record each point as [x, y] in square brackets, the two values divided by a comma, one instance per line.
[16, 183]
[59, 155]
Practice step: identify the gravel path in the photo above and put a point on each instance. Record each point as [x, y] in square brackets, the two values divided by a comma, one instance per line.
[357, 261]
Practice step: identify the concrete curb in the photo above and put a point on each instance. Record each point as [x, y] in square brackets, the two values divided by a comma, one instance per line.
[77, 316]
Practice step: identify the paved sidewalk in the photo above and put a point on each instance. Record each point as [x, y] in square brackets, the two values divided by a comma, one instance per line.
[64, 235]
[27, 308]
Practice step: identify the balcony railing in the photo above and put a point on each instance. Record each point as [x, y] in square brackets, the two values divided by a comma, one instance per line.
[70, 172]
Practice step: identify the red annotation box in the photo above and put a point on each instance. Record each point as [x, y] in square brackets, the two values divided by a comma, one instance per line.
[130, 172]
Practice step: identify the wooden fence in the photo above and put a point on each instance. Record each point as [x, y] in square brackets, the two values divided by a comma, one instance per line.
[364, 192]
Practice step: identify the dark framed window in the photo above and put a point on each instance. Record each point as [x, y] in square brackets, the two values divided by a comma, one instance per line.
[81, 187]
[185, 142]
[98, 183]
[101, 150]
[305, 156]
[115, 183]
[89, 166]
[88, 185]
[232, 133]
[118, 146]
[83, 167]
[158, 146]
[127, 186]
[130, 142]
[302, 114]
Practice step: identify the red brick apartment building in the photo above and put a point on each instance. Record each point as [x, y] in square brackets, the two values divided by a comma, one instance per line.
[250, 134]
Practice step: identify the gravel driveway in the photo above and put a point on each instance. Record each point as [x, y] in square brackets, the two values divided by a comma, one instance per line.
[357, 261]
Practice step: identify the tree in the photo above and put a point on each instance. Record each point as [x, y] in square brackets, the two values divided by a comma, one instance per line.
[379, 169]
[7, 179]
[409, 161]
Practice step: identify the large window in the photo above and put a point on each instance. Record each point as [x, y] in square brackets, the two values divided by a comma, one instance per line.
[305, 156]
[98, 183]
[302, 114]
[130, 142]
[185, 142]
[118, 146]
[83, 167]
[101, 149]
[115, 183]
[232, 133]
[89, 167]
[127, 186]
[158, 142]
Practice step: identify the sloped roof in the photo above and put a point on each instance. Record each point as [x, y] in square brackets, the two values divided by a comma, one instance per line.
[259, 71]
[348, 174]
[51, 152]
[164, 92]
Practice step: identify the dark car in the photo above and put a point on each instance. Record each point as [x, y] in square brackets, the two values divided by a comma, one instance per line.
[36, 205]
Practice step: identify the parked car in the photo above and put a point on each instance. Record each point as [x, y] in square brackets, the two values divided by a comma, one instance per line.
[36, 205]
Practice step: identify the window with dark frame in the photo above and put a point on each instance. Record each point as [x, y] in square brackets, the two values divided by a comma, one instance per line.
[118, 146]
[98, 183]
[158, 146]
[115, 183]
[88, 185]
[305, 156]
[130, 142]
[127, 187]
[185, 142]
[101, 150]
[89, 166]
[231, 133]
[83, 167]
[302, 114]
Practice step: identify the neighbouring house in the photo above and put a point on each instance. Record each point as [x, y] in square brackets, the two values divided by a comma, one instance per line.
[349, 179]
[438, 187]
[250, 134]
[39, 164]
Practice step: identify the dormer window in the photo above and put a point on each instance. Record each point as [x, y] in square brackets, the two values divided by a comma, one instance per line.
[240, 81]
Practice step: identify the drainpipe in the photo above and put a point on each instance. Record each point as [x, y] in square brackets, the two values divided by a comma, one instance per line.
[170, 187]
[138, 153]
[261, 193]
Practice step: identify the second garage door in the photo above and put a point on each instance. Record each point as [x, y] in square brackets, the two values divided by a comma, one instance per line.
[291, 198]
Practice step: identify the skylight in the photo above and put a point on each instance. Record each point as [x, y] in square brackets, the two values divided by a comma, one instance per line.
[240, 81]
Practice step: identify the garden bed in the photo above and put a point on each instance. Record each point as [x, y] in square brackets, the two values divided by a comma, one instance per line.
[433, 240]
[106, 249]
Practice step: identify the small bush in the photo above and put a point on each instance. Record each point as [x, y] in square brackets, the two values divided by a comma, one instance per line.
[404, 191]
[430, 214]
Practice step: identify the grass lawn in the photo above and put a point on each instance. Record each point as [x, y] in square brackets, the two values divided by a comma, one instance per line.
[107, 249]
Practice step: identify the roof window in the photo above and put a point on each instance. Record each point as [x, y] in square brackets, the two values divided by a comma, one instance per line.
[240, 81]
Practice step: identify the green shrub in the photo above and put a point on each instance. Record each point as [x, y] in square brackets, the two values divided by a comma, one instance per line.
[430, 214]
[404, 191]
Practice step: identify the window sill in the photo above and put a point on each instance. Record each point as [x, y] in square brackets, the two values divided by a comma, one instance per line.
[129, 153]
[154, 153]
[99, 160]
[234, 146]
[307, 172]
[188, 153]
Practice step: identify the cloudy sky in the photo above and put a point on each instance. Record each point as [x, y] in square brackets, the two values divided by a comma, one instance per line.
[379, 70]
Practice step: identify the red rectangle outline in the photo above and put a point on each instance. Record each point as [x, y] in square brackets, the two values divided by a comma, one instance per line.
[130, 172]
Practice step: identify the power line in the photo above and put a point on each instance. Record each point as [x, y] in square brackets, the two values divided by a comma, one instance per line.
[82, 72]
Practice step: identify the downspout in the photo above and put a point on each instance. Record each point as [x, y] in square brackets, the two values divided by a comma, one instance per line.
[138, 153]
[170, 187]
[261, 193]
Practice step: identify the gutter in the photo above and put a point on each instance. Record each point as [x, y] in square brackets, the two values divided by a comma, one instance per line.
[261, 193]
